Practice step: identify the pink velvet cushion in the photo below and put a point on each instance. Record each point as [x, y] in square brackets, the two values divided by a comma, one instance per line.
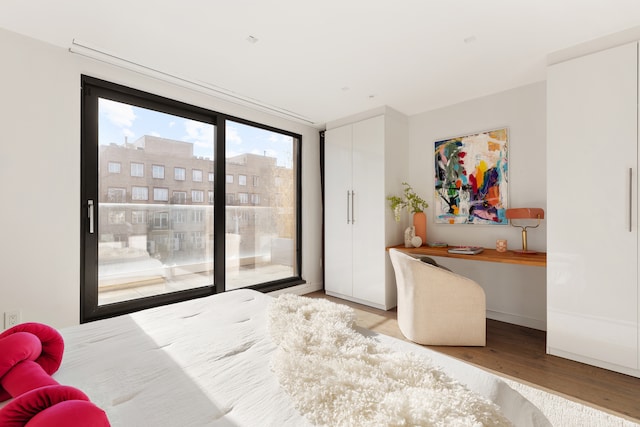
[52, 406]
[25, 376]
[29, 341]
[51, 340]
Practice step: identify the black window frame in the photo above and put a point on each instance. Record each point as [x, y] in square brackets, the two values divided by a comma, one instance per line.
[93, 89]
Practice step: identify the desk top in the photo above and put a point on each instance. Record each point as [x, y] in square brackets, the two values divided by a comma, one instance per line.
[490, 255]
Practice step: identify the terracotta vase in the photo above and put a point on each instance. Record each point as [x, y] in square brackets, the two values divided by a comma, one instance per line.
[420, 223]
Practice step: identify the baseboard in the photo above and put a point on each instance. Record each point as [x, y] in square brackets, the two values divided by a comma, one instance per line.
[594, 362]
[517, 320]
[305, 288]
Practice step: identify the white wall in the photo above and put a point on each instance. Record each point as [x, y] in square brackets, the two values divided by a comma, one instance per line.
[40, 174]
[514, 293]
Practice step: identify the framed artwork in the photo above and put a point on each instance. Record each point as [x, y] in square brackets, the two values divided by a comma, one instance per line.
[471, 182]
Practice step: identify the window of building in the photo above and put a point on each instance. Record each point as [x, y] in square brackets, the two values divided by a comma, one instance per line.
[229, 178]
[197, 239]
[196, 175]
[114, 167]
[230, 199]
[139, 193]
[161, 220]
[179, 216]
[137, 169]
[255, 199]
[198, 216]
[211, 176]
[138, 217]
[161, 194]
[210, 197]
[197, 196]
[157, 171]
[179, 174]
[256, 180]
[179, 198]
[116, 217]
[116, 195]
[178, 241]
[242, 179]
[243, 198]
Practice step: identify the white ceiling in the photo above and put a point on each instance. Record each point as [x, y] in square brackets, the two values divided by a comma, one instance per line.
[324, 60]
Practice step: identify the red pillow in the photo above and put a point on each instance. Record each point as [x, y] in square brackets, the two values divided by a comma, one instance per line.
[52, 406]
[51, 340]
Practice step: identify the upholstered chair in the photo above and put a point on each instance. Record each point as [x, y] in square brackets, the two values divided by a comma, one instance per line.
[437, 306]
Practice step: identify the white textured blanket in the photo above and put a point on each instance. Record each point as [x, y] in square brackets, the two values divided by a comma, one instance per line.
[205, 362]
[338, 377]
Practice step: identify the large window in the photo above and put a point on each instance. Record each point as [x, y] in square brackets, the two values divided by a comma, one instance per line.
[184, 238]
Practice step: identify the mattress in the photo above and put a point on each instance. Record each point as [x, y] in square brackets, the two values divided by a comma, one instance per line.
[206, 362]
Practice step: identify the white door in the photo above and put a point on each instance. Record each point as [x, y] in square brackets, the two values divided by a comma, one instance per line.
[592, 282]
[369, 210]
[338, 211]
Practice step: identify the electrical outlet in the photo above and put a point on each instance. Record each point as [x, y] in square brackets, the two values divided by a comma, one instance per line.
[11, 318]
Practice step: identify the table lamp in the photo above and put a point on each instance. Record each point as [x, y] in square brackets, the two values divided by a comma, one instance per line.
[524, 216]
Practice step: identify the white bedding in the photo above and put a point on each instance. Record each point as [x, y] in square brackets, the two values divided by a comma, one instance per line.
[206, 362]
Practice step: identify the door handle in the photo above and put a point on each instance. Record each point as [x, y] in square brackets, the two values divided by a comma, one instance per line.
[353, 207]
[348, 212]
[90, 215]
[630, 199]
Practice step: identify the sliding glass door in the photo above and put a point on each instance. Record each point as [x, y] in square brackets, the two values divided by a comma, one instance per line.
[260, 201]
[154, 220]
[162, 221]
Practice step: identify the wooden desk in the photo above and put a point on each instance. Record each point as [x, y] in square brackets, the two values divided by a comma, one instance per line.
[490, 255]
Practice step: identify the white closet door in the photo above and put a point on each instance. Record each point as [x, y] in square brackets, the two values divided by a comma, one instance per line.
[369, 210]
[337, 210]
[592, 282]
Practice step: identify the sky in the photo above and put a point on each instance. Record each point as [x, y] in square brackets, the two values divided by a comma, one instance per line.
[118, 121]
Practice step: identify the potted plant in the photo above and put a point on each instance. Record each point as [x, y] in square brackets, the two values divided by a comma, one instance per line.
[415, 205]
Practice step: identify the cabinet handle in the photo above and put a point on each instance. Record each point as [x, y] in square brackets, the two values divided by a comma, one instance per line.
[353, 207]
[90, 216]
[348, 212]
[630, 199]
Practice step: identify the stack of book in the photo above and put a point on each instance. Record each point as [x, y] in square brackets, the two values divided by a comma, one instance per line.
[465, 250]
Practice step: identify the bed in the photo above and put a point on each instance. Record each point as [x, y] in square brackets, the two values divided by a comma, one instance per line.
[208, 362]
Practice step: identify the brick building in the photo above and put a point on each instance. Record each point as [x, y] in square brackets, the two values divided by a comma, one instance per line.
[156, 198]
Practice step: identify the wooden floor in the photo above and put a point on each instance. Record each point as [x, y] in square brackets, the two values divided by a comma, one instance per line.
[520, 353]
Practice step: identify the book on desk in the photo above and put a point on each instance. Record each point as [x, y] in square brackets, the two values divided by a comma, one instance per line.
[465, 250]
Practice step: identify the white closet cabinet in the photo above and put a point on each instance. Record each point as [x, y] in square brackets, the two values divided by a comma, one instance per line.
[592, 202]
[362, 166]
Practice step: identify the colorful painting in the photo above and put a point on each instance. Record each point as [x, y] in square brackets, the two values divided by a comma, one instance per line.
[471, 179]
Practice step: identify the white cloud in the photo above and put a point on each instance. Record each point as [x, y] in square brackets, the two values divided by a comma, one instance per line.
[233, 136]
[201, 135]
[172, 124]
[128, 133]
[121, 115]
[156, 134]
[198, 131]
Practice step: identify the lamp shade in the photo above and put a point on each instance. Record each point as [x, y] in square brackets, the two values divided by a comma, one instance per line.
[525, 213]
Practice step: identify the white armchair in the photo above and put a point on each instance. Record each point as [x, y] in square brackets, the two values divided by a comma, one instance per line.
[436, 306]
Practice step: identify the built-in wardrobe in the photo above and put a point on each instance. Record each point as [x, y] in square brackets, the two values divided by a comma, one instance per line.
[365, 161]
[592, 203]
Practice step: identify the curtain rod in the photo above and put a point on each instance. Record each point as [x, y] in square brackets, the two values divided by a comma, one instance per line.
[85, 50]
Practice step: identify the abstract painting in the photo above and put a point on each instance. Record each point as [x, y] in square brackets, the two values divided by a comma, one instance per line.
[471, 179]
